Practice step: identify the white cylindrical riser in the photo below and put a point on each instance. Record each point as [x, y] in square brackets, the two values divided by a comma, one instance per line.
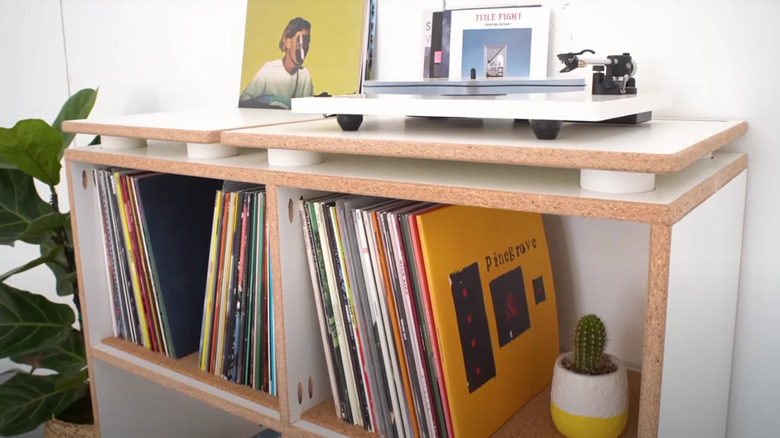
[210, 150]
[293, 158]
[611, 181]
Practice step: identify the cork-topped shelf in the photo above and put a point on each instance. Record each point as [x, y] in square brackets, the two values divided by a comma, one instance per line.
[200, 129]
[658, 146]
[185, 376]
[530, 422]
[195, 126]
[697, 193]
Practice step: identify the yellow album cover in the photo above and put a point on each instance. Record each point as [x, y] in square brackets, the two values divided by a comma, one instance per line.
[301, 48]
[494, 309]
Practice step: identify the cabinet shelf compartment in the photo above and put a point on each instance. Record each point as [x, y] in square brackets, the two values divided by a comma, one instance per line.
[306, 359]
[184, 375]
[532, 421]
[180, 375]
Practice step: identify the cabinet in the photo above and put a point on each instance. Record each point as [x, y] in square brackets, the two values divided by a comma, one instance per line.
[691, 226]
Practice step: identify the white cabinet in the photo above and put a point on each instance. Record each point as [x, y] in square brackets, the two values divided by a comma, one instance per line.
[688, 231]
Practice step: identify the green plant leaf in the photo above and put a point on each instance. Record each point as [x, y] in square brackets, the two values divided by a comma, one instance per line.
[52, 255]
[64, 275]
[74, 380]
[66, 282]
[43, 226]
[35, 148]
[20, 205]
[67, 357]
[27, 401]
[5, 164]
[29, 321]
[77, 106]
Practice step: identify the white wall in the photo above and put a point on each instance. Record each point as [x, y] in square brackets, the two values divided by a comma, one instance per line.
[150, 55]
[714, 58]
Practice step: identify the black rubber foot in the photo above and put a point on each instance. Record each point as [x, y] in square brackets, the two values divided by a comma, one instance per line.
[349, 122]
[546, 129]
[631, 119]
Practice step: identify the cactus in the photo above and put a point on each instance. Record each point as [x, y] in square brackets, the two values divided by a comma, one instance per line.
[590, 338]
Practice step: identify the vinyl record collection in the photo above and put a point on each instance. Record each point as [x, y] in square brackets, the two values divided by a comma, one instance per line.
[425, 324]
[188, 264]
[237, 329]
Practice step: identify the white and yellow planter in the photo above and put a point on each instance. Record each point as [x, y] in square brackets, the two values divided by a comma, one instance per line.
[584, 406]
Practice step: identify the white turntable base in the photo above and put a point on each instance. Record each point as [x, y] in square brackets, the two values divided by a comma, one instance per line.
[571, 106]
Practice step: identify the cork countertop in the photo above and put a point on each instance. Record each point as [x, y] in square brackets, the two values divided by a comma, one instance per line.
[192, 126]
[657, 146]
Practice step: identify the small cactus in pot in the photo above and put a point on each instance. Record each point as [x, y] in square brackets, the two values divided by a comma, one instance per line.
[590, 339]
[589, 395]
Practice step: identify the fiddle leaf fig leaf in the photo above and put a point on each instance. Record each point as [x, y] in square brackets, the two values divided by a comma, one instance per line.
[65, 277]
[20, 205]
[29, 321]
[43, 227]
[5, 164]
[66, 281]
[51, 256]
[76, 107]
[27, 400]
[34, 147]
[67, 357]
[73, 381]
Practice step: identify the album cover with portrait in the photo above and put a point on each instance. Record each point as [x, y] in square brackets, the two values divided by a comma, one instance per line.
[302, 48]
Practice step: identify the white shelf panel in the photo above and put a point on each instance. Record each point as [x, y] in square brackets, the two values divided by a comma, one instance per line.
[94, 280]
[124, 398]
[196, 126]
[657, 146]
[703, 271]
[507, 178]
[575, 105]
[140, 366]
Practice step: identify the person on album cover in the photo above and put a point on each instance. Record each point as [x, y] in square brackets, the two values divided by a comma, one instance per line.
[280, 80]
